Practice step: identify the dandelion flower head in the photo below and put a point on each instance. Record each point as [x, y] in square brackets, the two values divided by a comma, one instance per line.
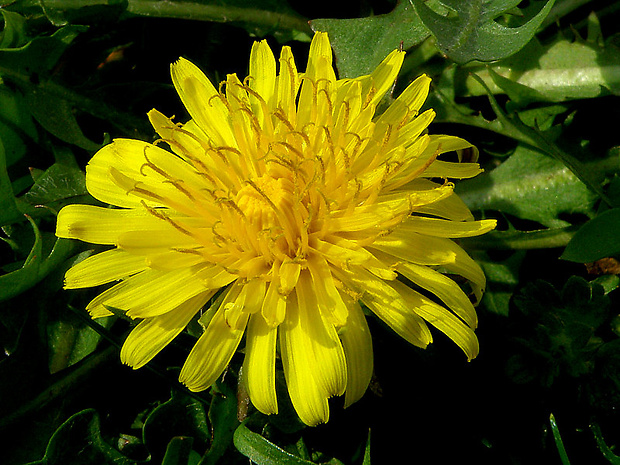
[288, 191]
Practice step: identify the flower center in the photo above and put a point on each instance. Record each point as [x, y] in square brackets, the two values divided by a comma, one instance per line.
[264, 201]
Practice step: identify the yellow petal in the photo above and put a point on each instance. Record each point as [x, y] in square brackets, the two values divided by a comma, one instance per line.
[309, 401]
[287, 84]
[409, 101]
[442, 228]
[320, 341]
[387, 212]
[153, 334]
[202, 101]
[318, 84]
[417, 248]
[288, 274]
[102, 268]
[211, 353]
[151, 293]
[329, 301]
[357, 344]
[263, 75]
[161, 240]
[99, 225]
[274, 305]
[259, 365]
[383, 77]
[319, 54]
[443, 287]
[446, 169]
[148, 167]
[450, 207]
[441, 319]
[389, 305]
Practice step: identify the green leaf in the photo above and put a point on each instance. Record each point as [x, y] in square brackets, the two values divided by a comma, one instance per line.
[470, 31]
[563, 70]
[502, 280]
[9, 213]
[261, 451]
[14, 32]
[607, 452]
[56, 116]
[259, 17]
[598, 238]
[36, 267]
[366, 460]
[70, 340]
[350, 38]
[557, 437]
[562, 325]
[39, 55]
[78, 441]
[61, 183]
[178, 451]
[63, 12]
[223, 418]
[17, 127]
[181, 415]
[529, 185]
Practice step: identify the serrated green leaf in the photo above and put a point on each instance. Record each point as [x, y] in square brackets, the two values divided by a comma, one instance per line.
[350, 38]
[61, 183]
[598, 238]
[261, 451]
[531, 186]
[471, 33]
[78, 441]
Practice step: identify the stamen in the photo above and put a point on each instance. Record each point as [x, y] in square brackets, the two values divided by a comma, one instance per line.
[162, 216]
[279, 113]
[329, 102]
[289, 147]
[369, 97]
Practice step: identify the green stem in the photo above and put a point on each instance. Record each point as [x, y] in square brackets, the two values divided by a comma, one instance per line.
[220, 13]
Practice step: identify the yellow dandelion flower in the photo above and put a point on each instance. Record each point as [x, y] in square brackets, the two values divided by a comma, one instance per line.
[289, 192]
